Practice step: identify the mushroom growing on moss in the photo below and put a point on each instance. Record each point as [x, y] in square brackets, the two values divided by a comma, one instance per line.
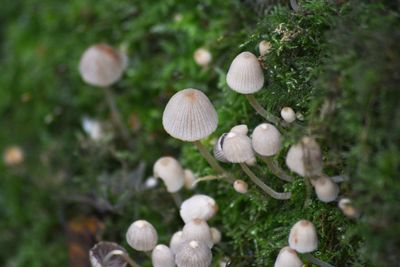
[264, 47]
[288, 114]
[287, 257]
[142, 236]
[193, 253]
[198, 207]
[202, 57]
[162, 257]
[199, 230]
[326, 189]
[240, 186]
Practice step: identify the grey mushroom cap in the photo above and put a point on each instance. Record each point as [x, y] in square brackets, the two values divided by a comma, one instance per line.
[303, 237]
[99, 252]
[266, 140]
[193, 254]
[142, 236]
[237, 148]
[287, 257]
[218, 152]
[162, 256]
[190, 116]
[198, 230]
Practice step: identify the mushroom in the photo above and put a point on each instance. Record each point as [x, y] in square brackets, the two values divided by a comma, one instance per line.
[348, 209]
[142, 236]
[326, 189]
[189, 179]
[240, 129]
[171, 172]
[176, 241]
[162, 257]
[237, 149]
[199, 230]
[190, 116]
[193, 253]
[109, 254]
[287, 257]
[288, 114]
[245, 76]
[266, 142]
[13, 156]
[264, 47]
[202, 57]
[240, 186]
[198, 207]
[215, 235]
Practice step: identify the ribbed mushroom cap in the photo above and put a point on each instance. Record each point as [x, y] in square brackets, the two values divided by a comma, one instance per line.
[101, 65]
[176, 241]
[162, 257]
[190, 116]
[215, 235]
[99, 252]
[305, 158]
[142, 236]
[198, 230]
[202, 57]
[264, 47]
[190, 178]
[326, 189]
[198, 207]
[193, 254]
[171, 172]
[218, 152]
[245, 74]
[303, 237]
[288, 114]
[287, 257]
[240, 186]
[266, 139]
[240, 129]
[237, 148]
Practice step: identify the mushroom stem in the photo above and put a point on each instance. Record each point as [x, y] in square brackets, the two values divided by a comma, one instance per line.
[123, 254]
[260, 110]
[211, 160]
[308, 184]
[316, 261]
[263, 186]
[208, 178]
[115, 114]
[275, 169]
[177, 199]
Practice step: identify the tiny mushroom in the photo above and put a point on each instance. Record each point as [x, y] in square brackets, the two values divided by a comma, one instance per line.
[326, 189]
[176, 241]
[198, 230]
[303, 237]
[287, 257]
[190, 179]
[240, 186]
[193, 253]
[202, 57]
[101, 250]
[142, 236]
[264, 47]
[13, 155]
[215, 235]
[348, 209]
[288, 114]
[162, 257]
[240, 129]
[198, 207]
[171, 172]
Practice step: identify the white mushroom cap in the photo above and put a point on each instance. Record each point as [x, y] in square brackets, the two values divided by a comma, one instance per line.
[190, 116]
[177, 240]
[99, 252]
[287, 257]
[264, 47]
[252, 161]
[326, 189]
[142, 236]
[245, 74]
[171, 172]
[348, 209]
[288, 114]
[193, 253]
[202, 57]
[240, 129]
[218, 152]
[215, 235]
[305, 157]
[237, 148]
[162, 257]
[13, 156]
[198, 207]
[303, 237]
[101, 65]
[240, 186]
[189, 179]
[266, 140]
[198, 230]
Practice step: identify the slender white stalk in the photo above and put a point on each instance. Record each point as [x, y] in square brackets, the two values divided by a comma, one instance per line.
[275, 169]
[260, 110]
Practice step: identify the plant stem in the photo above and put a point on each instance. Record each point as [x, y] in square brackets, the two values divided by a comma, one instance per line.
[308, 191]
[316, 261]
[123, 254]
[208, 178]
[263, 186]
[275, 169]
[211, 160]
[177, 199]
[260, 110]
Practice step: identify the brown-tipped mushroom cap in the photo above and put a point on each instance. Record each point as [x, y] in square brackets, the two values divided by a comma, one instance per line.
[287, 257]
[193, 253]
[202, 57]
[326, 189]
[142, 236]
[99, 252]
[198, 207]
[245, 74]
[288, 114]
[303, 237]
[171, 172]
[266, 139]
[198, 230]
[237, 148]
[264, 47]
[162, 257]
[190, 116]
[240, 186]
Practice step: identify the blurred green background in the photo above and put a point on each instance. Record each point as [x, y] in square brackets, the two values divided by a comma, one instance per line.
[336, 62]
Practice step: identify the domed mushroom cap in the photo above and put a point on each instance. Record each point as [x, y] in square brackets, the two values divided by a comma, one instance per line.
[198, 230]
[264, 47]
[266, 140]
[176, 241]
[98, 253]
[171, 172]
[101, 65]
[198, 207]
[190, 116]
[237, 148]
[215, 235]
[162, 257]
[303, 237]
[202, 57]
[305, 158]
[326, 189]
[189, 179]
[142, 236]
[193, 254]
[240, 129]
[288, 114]
[240, 186]
[245, 74]
[348, 209]
[287, 257]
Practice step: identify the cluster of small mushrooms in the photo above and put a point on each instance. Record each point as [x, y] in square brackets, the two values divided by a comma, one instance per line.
[190, 116]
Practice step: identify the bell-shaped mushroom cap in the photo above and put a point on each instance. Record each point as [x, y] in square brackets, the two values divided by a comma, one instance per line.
[142, 236]
[288, 114]
[202, 57]
[218, 152]
[240, 129]
[215, 235]
[348, 209]
[266, 139]
[98, 253]
[245, 74]
[287, 257]
[193, 253]
[264, 47]
[198, 207]
[240, 186]
[162, 257]
[189, 179]
[190, 116]
[198, 230]
[326, 189]
[305, 158]
[171, 172]
[177, 240]
[303, 237]
[101, 65]
[237, 148]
